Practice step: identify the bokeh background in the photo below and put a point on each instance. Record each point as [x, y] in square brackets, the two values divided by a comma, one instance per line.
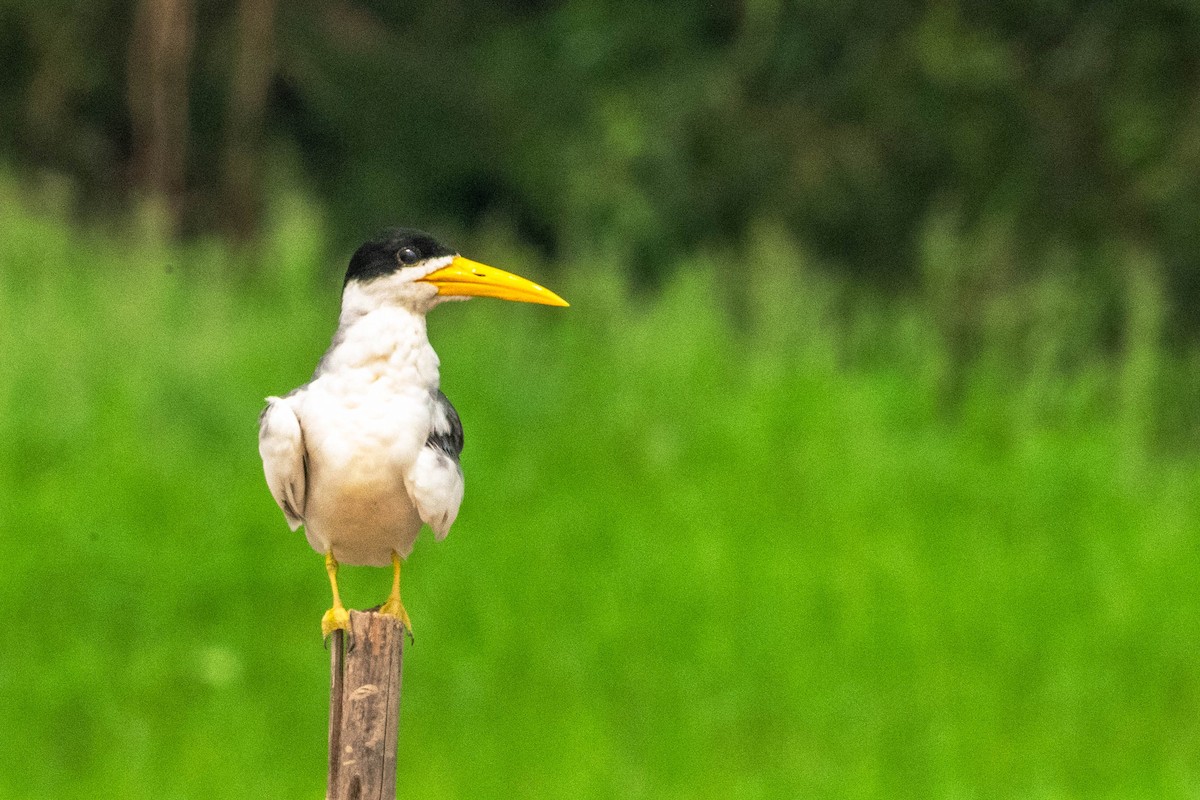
[864, 464]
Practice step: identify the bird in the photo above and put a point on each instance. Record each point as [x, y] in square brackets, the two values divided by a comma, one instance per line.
[367, 452]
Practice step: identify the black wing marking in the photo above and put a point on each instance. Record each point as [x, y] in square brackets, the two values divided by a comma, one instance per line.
[446, 434]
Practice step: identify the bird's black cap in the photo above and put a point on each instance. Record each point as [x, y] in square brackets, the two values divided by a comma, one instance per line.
[393, 249]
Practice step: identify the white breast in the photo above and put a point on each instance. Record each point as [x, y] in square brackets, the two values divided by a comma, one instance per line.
[365, 416]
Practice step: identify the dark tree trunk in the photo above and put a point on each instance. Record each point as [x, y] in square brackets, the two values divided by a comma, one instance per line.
[241, 168]
[160, 52]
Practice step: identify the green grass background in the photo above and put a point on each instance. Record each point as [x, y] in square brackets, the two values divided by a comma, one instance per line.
[812, 554]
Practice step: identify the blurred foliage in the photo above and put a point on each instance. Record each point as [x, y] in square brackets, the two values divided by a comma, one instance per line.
[693, 561]
[817, 537]
[646, 132]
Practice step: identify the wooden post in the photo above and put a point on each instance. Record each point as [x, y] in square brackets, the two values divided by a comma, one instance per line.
[364, 708]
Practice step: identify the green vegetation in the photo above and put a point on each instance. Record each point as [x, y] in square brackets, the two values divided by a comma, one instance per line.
[864, 465]
[658, 129]
[822, 555]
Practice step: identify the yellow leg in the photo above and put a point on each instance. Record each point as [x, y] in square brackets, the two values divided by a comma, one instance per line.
[336, 618]
[393, 606]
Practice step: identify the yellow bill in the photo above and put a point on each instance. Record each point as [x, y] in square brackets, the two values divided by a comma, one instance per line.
[463, 277]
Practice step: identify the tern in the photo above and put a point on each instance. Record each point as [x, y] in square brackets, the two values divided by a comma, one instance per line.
[367, 452]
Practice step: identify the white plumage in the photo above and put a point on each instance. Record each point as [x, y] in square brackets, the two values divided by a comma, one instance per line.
[349, 454]
[367, 451]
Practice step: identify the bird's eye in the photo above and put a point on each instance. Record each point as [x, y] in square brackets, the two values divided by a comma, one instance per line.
[409, 255]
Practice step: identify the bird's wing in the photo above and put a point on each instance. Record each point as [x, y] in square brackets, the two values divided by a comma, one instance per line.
[285, 460]
[435, 482]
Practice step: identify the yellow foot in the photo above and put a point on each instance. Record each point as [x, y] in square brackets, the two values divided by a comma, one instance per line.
[336, 618]
[394, 608]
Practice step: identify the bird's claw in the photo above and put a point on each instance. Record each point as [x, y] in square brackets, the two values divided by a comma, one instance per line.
[394, 608]
[336, 619]
[349, 640]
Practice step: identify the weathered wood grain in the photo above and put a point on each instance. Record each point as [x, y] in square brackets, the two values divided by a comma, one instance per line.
[364, 708]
